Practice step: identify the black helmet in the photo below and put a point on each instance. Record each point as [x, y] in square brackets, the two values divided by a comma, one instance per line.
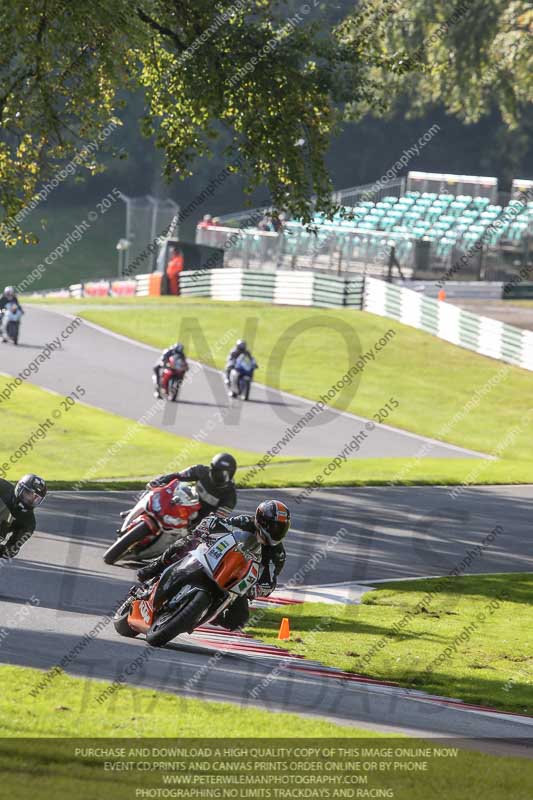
[178, 348]
[273, 520]
[222, 469]
[30, 491]
[241, 345]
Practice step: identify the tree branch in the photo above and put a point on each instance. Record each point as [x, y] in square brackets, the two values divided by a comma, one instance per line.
[162, 29]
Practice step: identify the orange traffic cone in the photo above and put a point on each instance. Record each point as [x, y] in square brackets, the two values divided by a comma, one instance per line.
[442, 294]
[284, 629]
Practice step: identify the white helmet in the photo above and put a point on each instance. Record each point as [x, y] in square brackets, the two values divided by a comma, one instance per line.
[9, 290]
[186, 495]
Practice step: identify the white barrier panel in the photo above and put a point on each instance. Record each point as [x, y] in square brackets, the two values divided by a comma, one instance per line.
[143, 285]
[294, 288]
[226, 284]
[410, 311]
[449, 323]
[490, 337]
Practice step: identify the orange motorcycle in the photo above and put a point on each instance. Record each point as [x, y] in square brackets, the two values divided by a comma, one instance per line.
[193, 591]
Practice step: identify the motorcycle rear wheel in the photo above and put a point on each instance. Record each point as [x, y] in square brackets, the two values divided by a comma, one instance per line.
[125, 542]
[183, 620]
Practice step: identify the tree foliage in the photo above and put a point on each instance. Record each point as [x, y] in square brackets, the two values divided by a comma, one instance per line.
[276, 77]
[469, 55]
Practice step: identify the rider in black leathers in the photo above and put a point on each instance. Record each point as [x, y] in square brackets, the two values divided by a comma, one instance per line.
[240, 349]
[17, 518]
[214, 483]
[178, 351]
[271, 524]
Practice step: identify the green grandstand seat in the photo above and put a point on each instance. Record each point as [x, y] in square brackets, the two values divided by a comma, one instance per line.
[488, 216]
[429, 195]
[390, 199]
[449, 218]
[516, 231]
[388, 223]
[480, 202]
[414, 195]
[471, 237]
[411, 216]
[444, 246]
[457, 207]
[465, 197]
[498, 209]
[433, 214]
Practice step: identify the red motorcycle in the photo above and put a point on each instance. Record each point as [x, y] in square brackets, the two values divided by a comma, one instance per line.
[160, 517]
[172, 376]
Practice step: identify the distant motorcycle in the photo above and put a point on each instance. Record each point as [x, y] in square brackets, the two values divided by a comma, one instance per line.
[161, 516]
[193, 591]
[172, 376]
[241, 376]
[10, 323]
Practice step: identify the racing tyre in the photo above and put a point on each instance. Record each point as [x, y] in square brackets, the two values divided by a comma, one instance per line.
[120, 621]
[125, 542]
[173, 389]
[247, 385]
[181, 620]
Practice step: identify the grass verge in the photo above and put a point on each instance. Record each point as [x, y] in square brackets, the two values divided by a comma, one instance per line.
[112, 452]
[471, 638]
[442, 391]
[68, 708]
[100, 445]
[51, 769]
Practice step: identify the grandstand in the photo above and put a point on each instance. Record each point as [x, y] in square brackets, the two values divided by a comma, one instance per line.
[431, 219]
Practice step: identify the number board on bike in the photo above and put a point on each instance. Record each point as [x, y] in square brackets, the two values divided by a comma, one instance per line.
[220, 547]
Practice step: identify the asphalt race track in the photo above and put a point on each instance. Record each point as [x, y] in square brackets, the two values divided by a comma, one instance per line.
[390, 532]
[116, 374]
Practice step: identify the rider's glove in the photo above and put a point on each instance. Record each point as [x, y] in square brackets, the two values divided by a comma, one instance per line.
[149, 571]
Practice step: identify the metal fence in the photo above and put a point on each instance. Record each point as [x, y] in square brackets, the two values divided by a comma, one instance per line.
[147, 220]
[339, 248]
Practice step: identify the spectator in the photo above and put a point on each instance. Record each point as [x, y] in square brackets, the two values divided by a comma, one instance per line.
[277, 222]
[174, 267]
[207, 222]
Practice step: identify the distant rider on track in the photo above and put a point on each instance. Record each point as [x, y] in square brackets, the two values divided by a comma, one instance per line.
[17, 518]
[270, 523]
[178, 352]
[240, 349]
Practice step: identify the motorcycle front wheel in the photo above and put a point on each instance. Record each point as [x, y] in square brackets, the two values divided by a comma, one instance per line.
[173, 389]
[120, 621]
[183, 619]
[126, 542]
